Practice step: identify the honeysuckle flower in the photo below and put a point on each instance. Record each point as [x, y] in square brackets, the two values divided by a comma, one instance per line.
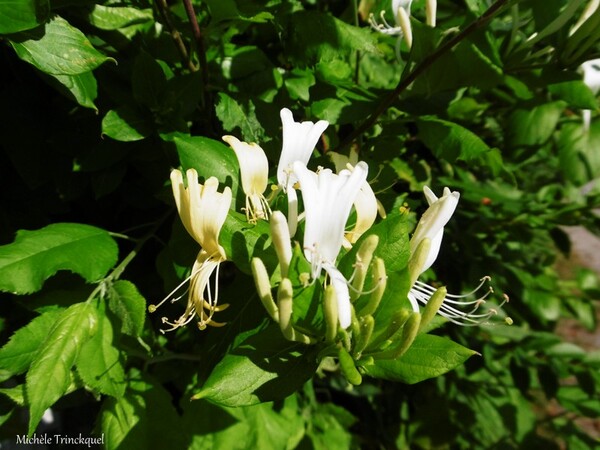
[432, 223]
[299, 141]
[425, 246]
[591, 77]
[203, 211]
[365, 204]
[401, 27]
[328, 199]
[254, 170]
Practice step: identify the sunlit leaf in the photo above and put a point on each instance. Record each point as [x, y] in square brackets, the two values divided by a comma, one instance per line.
[36, 255]
[49, 376]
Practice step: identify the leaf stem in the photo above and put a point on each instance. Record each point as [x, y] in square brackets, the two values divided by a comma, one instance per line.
[404, 83]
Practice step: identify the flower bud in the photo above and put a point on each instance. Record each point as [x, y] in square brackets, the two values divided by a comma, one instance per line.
[380, 278]
[280, 235]
[433, 306]
[331, 314]
[363, 261]
[263, 287]
[367, 324]
[348, 367]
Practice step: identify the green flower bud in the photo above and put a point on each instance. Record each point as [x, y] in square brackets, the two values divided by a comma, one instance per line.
[331, 314]
[367, 324]
[380, 277]
[433, 306]
[363, 261]
[348, 367]
[263, 286]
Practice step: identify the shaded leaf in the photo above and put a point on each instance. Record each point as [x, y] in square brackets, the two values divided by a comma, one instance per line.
[22, 15]
[265, 367]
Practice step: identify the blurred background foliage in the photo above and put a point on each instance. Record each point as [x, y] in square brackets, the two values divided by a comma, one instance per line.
[100, 99]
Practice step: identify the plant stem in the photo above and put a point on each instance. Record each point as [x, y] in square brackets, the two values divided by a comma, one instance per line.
[201, 50]
[118, 271]
[163, 9]
[404, 83]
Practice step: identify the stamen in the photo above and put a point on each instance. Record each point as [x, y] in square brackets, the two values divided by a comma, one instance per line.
[422, 292]
[201, 301]
[152, 308]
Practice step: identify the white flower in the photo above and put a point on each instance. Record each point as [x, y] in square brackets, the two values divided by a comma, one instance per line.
[430, 230]
[591, 77]
[591, 74]
[299, 141]
[401, 27]
[254, 170]
[328, 199]
[432, 223]
[203, 211]
[365, 204]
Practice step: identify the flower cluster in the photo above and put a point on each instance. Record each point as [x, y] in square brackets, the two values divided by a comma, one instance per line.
[322, 211]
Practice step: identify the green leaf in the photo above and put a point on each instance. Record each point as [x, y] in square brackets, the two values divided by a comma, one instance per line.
[234, 115]
[60, 49]
[210, 158]
[115, 17]
[148, 81]
[575, 93]
[36, 255]
[243, 241]
[49, 376]
[473, 62]
[16, 394]
[18, 353]
[577, 152]
[143, 418]
[429, 356]
[449, 140]
[298, 83]
[126, 302]
[533, 124]
[21, 15]
[218, 429]
[265, 367]
[126, 124]
[82, 88]
[393, 245]
[273, 427]
[307, 314]
[315, 36]
[99, 362]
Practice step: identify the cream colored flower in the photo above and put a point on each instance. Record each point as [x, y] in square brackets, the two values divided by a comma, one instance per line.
[424, 247]
[203, 211]
[254, 170]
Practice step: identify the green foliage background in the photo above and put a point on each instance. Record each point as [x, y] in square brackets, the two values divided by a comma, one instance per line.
[100, 99]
